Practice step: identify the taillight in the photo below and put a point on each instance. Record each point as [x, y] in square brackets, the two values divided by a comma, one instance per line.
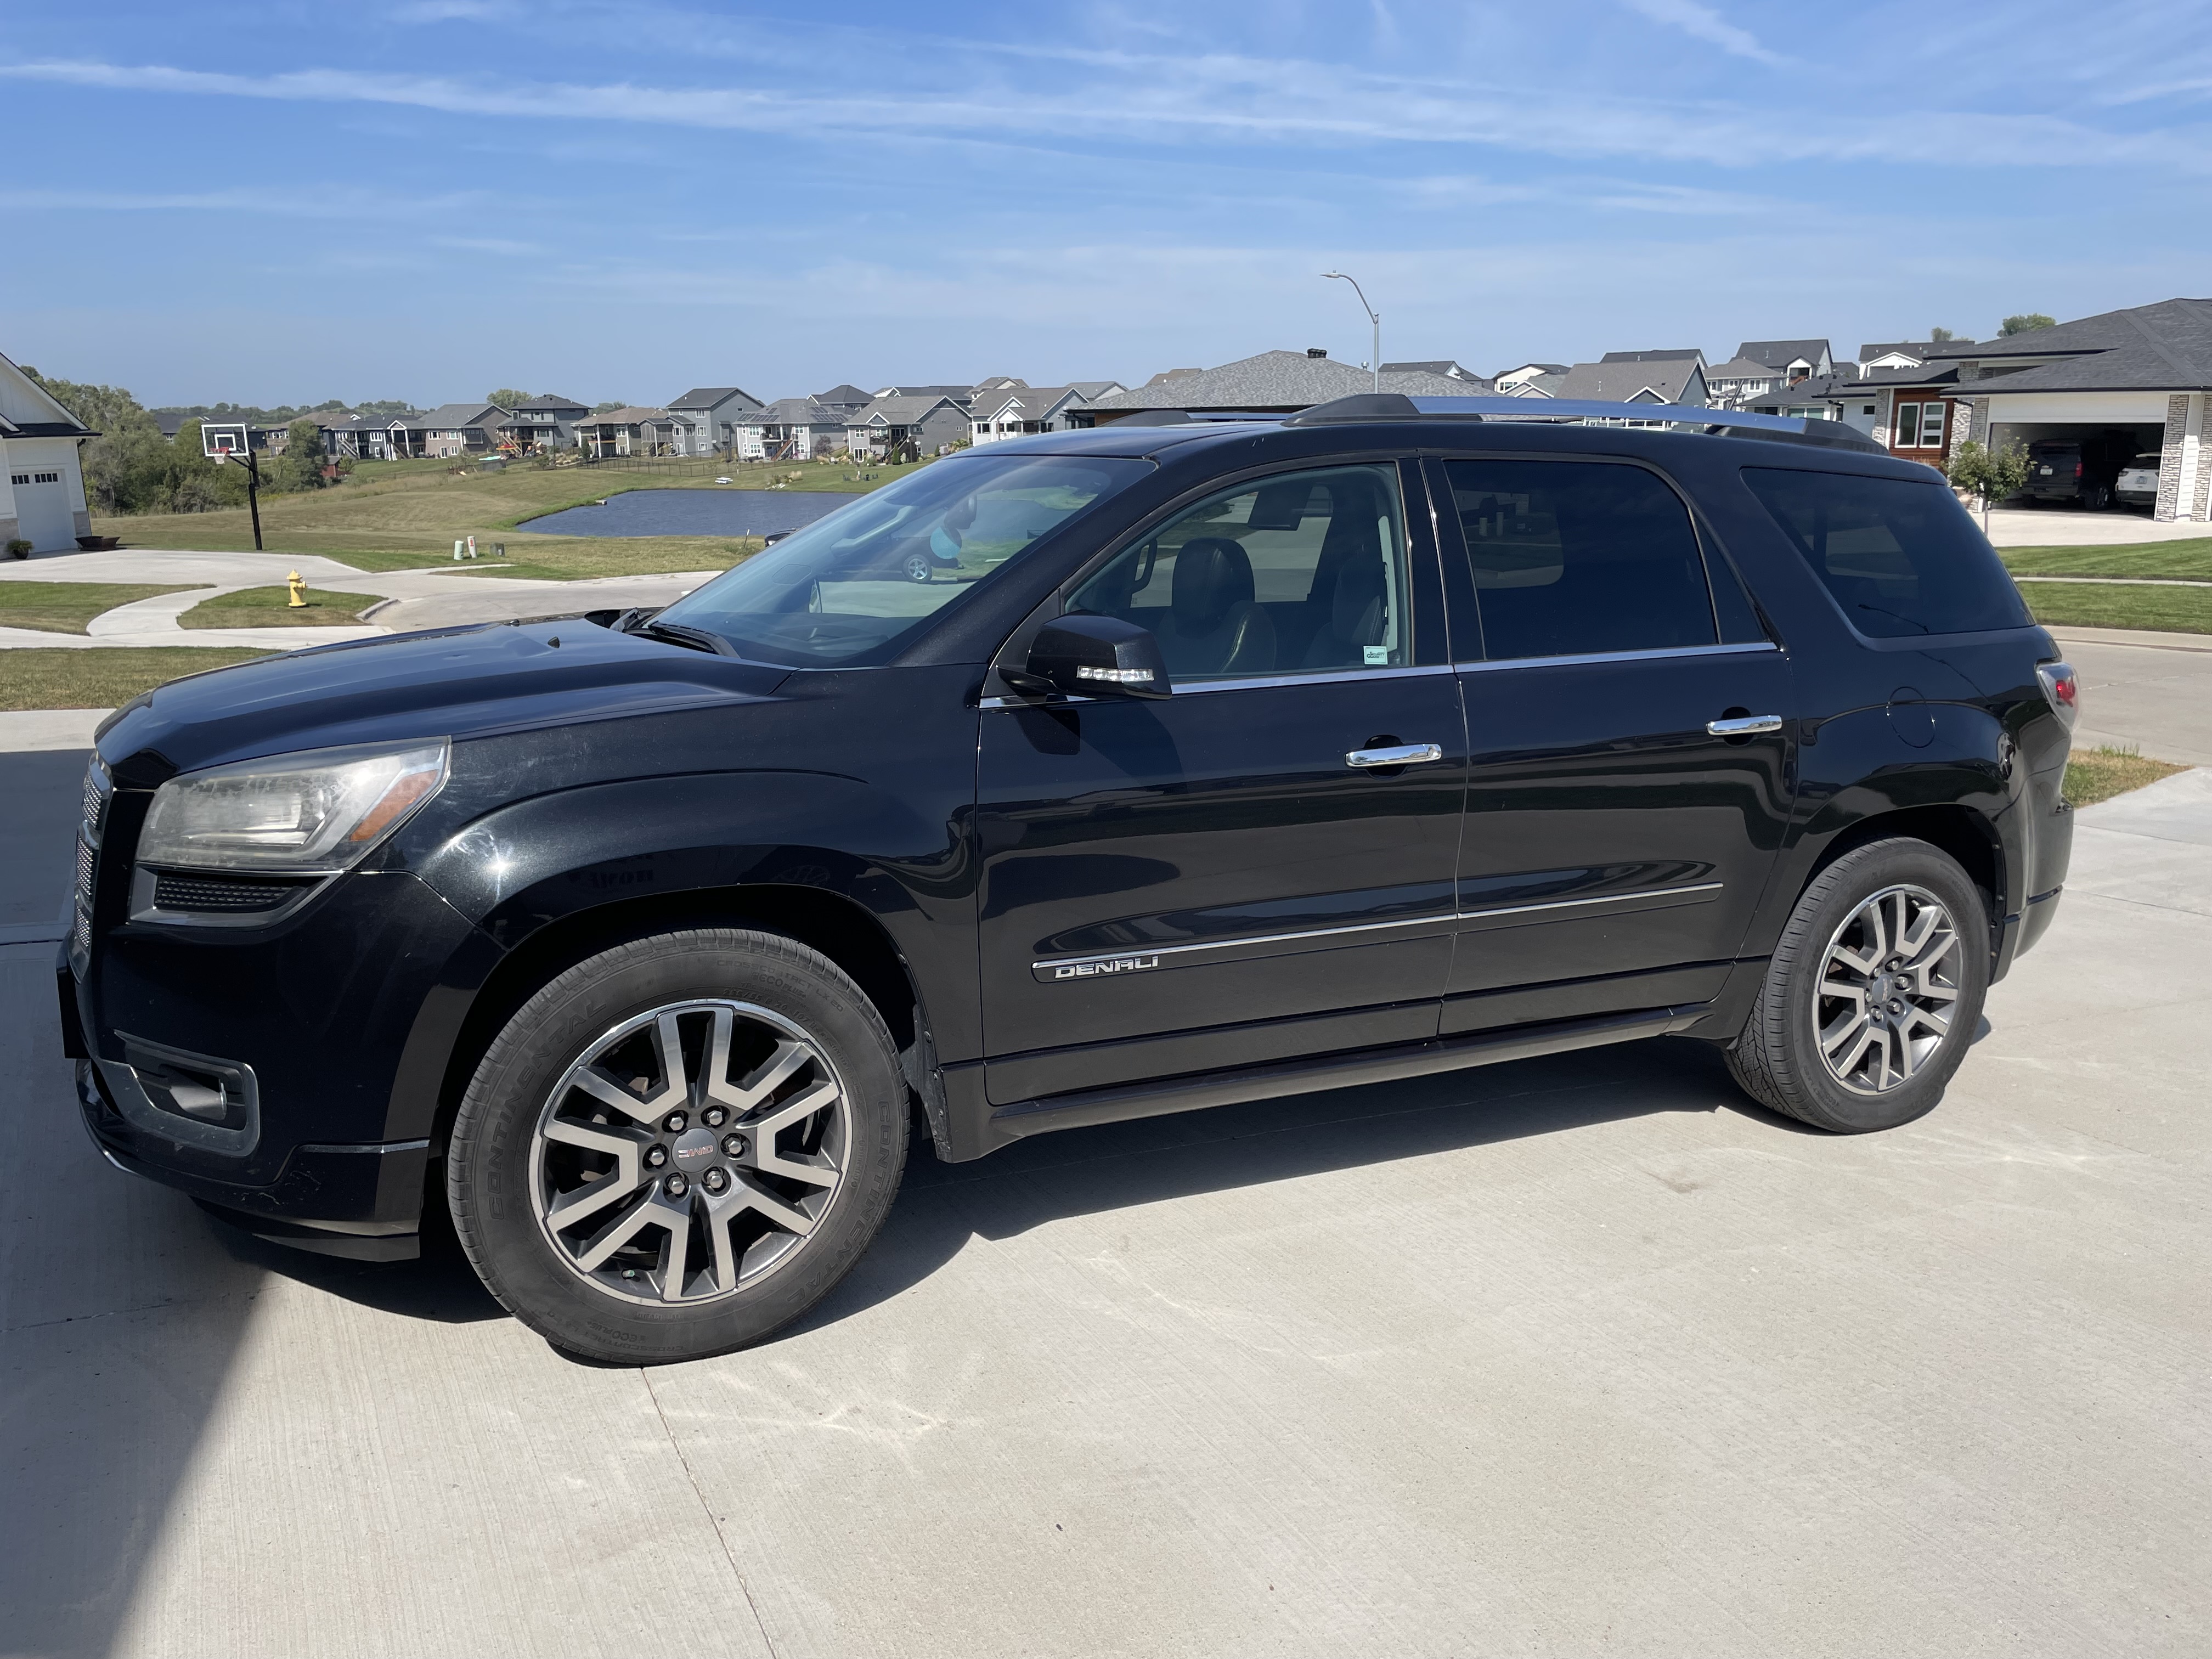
[2061, 690]
[2077, 469]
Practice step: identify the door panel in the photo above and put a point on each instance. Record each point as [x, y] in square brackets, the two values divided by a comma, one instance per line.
[1161, 877]
[1608, 832]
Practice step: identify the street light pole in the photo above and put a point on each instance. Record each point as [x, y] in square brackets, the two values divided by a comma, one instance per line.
[1375, 362]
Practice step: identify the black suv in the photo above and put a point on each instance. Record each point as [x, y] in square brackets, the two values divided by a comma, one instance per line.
[1216, 761]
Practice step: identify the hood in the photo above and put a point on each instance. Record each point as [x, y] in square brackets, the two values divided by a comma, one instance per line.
[454, 683]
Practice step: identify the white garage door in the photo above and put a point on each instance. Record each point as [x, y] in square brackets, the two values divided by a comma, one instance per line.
[42, 508]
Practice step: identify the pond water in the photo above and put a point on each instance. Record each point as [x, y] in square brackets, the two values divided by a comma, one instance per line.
[692, 513]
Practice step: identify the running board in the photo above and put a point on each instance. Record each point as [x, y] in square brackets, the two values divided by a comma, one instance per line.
[985, 1130]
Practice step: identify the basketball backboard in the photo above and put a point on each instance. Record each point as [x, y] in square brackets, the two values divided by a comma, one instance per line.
[218, 439]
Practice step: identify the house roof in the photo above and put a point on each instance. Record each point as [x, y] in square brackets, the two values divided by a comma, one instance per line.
[630, 415]
[1780, 354]
[707, 396]
[1741, 368]
[1035, 401]
[1666, 355]
[959, 394]
[548, 405]
[999, 383]
[1271, 380]
[1444, 366]
[2165, 346]
[1814, 388]
[27, 409]
[847, 393]
[905, 409]
[1924, 349]
[792, 412]
[1097, 388]
[1542, 368]
[1665, 381]
[445, 415]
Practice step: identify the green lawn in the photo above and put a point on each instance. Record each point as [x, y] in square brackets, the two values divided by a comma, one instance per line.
[2092, 604]
[271, 607]
[2182, 561]
[100, 677]
[398, 515]
[66, 607]
[2096, 774]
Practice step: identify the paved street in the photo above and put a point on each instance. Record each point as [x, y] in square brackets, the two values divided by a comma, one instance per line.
[1576, 1356]
[2065, 526]
[2153, 692]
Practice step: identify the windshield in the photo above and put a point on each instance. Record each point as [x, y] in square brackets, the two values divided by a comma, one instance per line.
[846, 591]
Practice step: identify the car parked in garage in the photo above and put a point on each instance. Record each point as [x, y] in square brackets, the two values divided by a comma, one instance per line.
[2137, 483]
[1256, 757]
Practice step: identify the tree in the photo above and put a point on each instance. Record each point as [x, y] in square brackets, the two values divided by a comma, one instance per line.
[2024, 323]
[601, 409]
[507, 397]
[1992, 476]
[1938, 336]
[301, 466]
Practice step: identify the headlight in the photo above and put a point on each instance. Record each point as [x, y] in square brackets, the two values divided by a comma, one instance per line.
[319, 812]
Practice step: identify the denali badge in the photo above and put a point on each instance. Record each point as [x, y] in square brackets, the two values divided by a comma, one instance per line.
[1103, 965]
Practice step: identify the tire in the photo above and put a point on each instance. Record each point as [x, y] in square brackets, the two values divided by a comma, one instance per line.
[1899, 1063]
[782, 1122]
[919, 568]
[2095, 497]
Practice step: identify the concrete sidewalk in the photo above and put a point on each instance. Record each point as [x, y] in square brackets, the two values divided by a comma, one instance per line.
[1577, 1356]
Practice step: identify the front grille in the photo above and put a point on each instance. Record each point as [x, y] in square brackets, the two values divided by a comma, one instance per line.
[228, 895]
[99, 795]
[95, 799]
[84, 859]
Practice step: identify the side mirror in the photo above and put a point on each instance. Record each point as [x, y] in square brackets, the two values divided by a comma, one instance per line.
[1094, 657]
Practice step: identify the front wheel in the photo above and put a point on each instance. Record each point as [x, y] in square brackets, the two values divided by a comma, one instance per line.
[679, 1146]
[918, 569]
[1872, 993]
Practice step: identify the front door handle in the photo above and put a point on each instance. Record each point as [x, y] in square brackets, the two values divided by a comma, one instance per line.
[1745, 726]
[1403, 754]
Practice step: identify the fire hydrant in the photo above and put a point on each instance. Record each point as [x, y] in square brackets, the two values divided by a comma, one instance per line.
[298, 584]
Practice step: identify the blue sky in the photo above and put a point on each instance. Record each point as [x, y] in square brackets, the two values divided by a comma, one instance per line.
[286, 202]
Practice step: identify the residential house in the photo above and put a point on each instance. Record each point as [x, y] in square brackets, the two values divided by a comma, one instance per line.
[1793, 360]
[907, 427]
[1634, 377]
[789, 429]
[1272, 383]
[452, 429]
[1819, 397]
[2132, 382]
[962, 395]
[1017, 411]
[547, 422]
[1657, 355]
[714, 410]
[1511, 382]
[846, 400]
[41, 481]
[635, 430]
[1900, 354]
[365, 437]
[1472, 383]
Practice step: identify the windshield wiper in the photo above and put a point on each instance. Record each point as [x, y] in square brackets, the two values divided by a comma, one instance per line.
[696, 638]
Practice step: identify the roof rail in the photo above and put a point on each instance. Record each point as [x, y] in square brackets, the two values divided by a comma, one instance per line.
[1396, 406]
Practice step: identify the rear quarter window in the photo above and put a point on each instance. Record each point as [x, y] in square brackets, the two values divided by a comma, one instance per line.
[1902, 558]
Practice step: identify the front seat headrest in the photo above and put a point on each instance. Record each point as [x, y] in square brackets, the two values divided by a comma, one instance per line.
[1212, 574]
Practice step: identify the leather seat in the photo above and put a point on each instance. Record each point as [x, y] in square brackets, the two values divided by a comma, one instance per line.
[1357, 614]
[1213, 626]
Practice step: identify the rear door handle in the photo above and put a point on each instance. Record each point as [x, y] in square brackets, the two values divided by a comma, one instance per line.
[1745, 726]
[1403, 754]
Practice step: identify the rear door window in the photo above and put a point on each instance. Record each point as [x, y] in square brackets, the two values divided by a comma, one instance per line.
[1902, 558]
[1579, 557]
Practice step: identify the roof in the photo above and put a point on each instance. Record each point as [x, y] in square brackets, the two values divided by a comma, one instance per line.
[1923, 349]
[27, 409]
[2161, 347]
[707, 397]
[1271, 380]
[1033, 401]
[547, 404]
[1096, 388]
[847, 393]
[1666, 355]
[458, 415]
[999, 383]
[1665, 381]
[959, 394]
[1780, 354]
[905, 409]
[1443, 366]
[1545, 368]
[792, 412]
[1740, 369]
[630, 415]
[1814, 388]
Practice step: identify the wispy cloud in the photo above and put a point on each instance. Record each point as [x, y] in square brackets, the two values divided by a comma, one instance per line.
[1229, 97]
[1702, 22]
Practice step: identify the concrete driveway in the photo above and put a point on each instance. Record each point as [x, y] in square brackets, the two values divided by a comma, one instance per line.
[1576, 1356]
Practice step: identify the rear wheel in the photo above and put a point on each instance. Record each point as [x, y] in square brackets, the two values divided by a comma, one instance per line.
[2096, 497]
[919, 568]
[1872, 993]
[679, 1146]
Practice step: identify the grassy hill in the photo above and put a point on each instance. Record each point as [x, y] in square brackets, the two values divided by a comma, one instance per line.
[397, 515]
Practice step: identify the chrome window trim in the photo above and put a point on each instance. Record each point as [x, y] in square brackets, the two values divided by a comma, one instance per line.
[1194, 688]
[1371, 926]
[1579, 658]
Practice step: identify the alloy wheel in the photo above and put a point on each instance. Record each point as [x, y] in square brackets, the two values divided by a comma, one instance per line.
[1887, 986]
[690, 1152]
